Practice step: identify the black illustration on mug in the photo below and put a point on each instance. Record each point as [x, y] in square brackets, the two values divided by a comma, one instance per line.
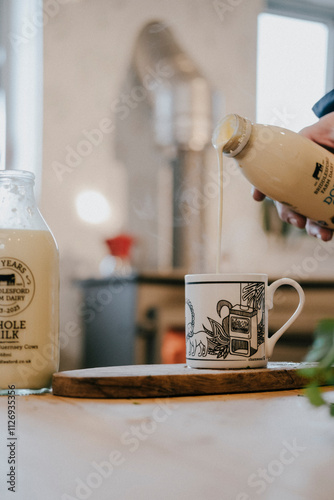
[240, 332]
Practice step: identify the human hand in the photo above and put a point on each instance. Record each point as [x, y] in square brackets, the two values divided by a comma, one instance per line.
[321, 132]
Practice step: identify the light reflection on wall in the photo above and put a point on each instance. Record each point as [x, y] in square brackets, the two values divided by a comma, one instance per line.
[93, 207]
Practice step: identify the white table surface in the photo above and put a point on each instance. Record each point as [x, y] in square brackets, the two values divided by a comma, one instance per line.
[236, 447]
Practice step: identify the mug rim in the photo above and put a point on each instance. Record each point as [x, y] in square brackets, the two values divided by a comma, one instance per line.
[221, 277]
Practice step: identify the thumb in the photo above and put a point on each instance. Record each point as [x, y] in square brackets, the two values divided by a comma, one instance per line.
[257, 195]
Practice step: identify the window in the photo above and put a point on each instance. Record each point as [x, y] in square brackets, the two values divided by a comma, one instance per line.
[21, 93]
[292, 63]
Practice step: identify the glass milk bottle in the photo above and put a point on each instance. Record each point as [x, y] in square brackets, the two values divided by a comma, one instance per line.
[282, 164]
[29, 289]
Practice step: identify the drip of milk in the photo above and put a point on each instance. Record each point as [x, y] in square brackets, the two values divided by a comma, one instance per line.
[220, 208]
[221, 136]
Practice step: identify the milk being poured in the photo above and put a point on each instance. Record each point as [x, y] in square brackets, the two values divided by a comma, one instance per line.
[221, 136]
[285, 166]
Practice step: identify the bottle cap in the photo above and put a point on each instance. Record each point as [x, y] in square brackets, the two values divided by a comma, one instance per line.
[232, 134]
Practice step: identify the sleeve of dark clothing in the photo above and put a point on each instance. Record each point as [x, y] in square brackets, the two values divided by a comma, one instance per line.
[325, 105]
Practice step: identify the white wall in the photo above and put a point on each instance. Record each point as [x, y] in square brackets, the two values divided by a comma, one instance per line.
[87, 52]
[88, 47]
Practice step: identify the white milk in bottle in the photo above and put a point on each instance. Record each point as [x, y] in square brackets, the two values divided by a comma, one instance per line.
[29, 289]
[282, 164]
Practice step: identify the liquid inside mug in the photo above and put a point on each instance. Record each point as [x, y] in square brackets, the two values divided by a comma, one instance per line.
[227, 319]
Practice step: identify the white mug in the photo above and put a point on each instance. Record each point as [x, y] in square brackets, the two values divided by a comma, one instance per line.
[227, 319]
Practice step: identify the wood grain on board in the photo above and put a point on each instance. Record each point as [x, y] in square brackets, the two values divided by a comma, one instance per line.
[147, 381]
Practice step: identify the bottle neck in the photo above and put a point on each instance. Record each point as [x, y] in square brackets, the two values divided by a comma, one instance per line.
[18, 208]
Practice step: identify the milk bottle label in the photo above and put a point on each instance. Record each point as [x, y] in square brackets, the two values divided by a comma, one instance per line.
[17, 286]
[322, 175]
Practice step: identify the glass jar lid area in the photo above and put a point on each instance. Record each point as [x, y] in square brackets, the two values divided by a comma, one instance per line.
[17, 174]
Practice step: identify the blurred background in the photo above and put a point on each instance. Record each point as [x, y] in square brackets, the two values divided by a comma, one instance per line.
[112, 103]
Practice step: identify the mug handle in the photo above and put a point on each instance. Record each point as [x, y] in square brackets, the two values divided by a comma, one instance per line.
[270, 342]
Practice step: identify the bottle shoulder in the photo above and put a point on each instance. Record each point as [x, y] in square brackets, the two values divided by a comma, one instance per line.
[26, 217]
[275, 148]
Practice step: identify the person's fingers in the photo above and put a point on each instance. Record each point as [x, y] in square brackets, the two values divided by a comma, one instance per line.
[284, 212]
[288, 215]
[321, 132]
[257, 195]
[297, 220]
[313, 229]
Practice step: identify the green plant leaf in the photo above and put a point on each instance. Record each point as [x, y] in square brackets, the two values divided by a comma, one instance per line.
[314, 395]
[309, 373]
[322, 353]
[323, 342]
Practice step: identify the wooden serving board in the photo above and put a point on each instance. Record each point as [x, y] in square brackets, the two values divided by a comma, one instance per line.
[147, 381]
